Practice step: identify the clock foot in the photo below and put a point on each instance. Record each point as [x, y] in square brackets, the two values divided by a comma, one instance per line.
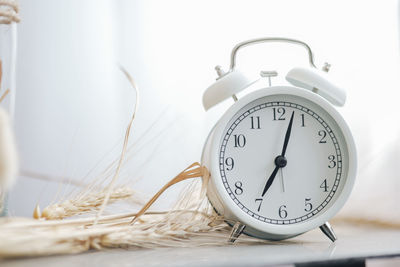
[237, 230]
[327, 229]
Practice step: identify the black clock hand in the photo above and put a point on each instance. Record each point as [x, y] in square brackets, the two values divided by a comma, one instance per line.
[270, 180]
[287, 136]
[280, 161]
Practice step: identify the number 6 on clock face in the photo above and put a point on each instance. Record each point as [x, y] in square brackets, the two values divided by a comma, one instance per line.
[282, 161]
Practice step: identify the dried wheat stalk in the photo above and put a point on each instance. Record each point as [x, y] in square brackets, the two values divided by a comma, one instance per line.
[110, 187]
[91, 200]
[191, 223]
[87, 203]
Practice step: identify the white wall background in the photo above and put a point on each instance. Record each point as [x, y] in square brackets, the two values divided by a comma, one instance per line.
[73, 103]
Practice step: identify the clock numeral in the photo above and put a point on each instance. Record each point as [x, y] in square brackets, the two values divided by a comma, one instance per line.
[259, 200]
[307, 204]
[240, 140]
[278, 114]
[302, 121]
[255, 122]
[332, 162]
[229, 163]
[282, 211]
[324, 186]
[322, 133]
[238, 189]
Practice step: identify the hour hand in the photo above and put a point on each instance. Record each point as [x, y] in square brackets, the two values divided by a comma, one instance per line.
[270, 180]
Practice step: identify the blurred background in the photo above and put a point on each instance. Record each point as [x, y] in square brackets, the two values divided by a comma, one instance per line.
[73, 103]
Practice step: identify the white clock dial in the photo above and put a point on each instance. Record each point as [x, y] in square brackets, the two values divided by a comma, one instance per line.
[278, 185]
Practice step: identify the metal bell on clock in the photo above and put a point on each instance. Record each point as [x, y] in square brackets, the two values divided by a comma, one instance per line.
[227, 85]
[317, 81]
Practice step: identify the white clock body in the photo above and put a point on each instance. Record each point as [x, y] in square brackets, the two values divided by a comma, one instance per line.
[240, 155]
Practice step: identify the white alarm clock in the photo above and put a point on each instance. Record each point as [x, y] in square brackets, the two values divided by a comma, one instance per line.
[282, 159]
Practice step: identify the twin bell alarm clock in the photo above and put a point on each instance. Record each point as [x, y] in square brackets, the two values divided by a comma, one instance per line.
[282, 160]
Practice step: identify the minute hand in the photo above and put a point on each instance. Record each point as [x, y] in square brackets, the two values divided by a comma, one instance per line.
[287, 135]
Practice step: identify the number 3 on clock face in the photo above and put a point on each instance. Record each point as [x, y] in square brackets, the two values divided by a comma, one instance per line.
[285, 158]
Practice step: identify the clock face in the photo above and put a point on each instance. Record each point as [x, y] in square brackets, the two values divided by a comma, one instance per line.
[283, 159]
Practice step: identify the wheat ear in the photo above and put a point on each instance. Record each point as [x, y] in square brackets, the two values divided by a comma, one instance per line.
[86, 203]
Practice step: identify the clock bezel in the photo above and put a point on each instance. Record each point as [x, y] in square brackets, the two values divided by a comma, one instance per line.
[233, 212]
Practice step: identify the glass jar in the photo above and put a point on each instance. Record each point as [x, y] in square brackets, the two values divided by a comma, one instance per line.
[8, 51]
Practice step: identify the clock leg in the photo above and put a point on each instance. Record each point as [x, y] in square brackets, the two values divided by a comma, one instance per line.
[237, 230]
[327, 229]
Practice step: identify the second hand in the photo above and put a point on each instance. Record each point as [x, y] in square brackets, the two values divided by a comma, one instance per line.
[283, 182]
